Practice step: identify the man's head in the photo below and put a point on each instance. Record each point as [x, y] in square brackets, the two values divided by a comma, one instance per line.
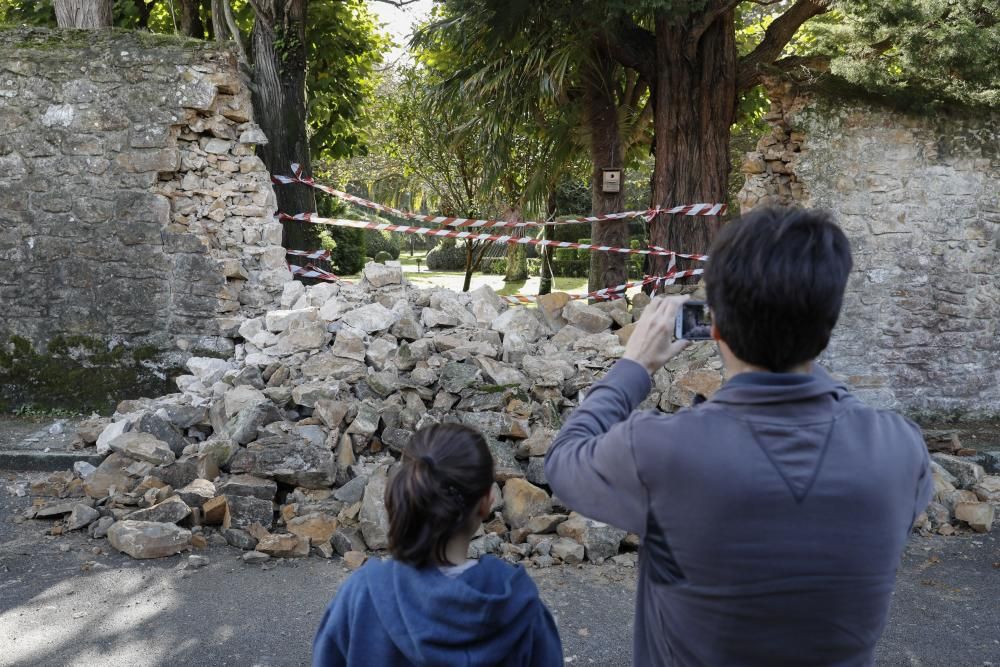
[775, 282]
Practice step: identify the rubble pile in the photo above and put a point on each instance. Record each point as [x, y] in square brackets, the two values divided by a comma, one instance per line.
[286, 449]
[963, 495]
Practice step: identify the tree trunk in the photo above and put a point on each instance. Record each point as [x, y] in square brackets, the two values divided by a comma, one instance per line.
[517, 257]
[695, 107]
[279, 103]
[606, 269]
[191, 19]
[219, 21]
[545, 252]
[206, 9]
[83, 13]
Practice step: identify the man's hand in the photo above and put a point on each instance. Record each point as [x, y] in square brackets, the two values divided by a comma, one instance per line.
[652, 343]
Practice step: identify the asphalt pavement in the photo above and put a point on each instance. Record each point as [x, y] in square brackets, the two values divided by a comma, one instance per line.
[62, 604]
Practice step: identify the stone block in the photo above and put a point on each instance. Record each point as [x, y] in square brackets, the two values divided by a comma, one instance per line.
[144, 539]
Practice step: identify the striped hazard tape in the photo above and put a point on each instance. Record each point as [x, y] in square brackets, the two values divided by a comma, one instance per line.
[309, 254]
[524, 240]
[310, 271]
[609, 293]
[447, 221]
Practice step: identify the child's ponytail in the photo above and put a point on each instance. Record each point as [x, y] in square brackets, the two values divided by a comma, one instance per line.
[446, 470]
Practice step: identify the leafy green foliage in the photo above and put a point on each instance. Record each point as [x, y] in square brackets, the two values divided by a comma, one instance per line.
[344, 46]
[930, 49]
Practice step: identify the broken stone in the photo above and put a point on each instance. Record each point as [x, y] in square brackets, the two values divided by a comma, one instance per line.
[536, 444]
[143, 447]
[197, 493]
[979, 516]
[110, 475]
[287, 459]
[110, 432]
[500, 373]
[381, 275]
[583, 316]
[99, 528]
[370, 318]
[523, 500]
[145, 539]
[171, 510]
[244, 511]
[81, 517]
[243, 427]
[284, 546]
[248, 485]
[551, 307]
[987, 489]
[374, 519]
[545, 523]
[255, 557]
[568, 551]
[521, 322]
[316, 526]
[346, 539]
[600, 540]
[282, 320]
[239, 538]
[966, 472]
[213, 512]
[355, 559]
[535, 471]
[353, 491]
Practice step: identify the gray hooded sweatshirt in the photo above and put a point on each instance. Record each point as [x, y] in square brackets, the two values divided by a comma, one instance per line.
[772, 517]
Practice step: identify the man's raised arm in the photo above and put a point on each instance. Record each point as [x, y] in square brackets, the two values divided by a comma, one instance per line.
[591, 464]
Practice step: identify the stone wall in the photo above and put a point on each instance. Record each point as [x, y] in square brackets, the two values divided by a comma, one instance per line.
[135, 220]
[919, 196]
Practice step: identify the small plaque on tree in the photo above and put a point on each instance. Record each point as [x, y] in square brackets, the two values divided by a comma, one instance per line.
[612, 180]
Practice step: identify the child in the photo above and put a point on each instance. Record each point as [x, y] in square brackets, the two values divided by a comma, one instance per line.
[430, 605]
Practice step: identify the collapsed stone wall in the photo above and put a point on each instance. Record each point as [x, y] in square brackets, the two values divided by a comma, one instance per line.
[919, 197]
[135, 220]
[286, 449]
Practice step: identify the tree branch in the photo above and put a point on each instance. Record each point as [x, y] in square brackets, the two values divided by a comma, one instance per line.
[241, 50]
[632, 46]
[399, 4]
[707, 18]
[778, 34]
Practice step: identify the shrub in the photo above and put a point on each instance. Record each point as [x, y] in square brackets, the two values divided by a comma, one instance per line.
[381, 257]
[378, 241]
[447, 257]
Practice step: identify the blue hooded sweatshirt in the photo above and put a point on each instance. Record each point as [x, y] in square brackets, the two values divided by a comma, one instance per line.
[389, 613]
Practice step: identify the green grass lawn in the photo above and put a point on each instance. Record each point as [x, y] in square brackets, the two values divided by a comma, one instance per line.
[416, 272]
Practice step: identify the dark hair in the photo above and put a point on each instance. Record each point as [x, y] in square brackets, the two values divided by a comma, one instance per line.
[446, 469]
[775, 282]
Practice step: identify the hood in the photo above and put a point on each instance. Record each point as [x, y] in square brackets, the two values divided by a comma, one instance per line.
[477, 618]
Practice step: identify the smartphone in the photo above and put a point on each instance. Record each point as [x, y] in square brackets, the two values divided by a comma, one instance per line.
[694, 321]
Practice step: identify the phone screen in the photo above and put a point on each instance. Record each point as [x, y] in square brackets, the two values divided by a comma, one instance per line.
[694, 321]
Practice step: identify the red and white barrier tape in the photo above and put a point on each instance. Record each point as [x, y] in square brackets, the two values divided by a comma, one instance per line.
[524, 240]
[609, 293]
[648, 214]
[310, 271]
[309, 254]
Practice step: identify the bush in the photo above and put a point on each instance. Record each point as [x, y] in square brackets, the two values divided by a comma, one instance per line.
[381, 257]
[447, 257]
[564, 255]
[496, 267]
[378, 241]
[580, 252]
[347, 249]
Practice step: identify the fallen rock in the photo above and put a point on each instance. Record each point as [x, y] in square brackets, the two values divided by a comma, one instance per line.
[374, 518]
[145, 539]
[567, 550]
[81, 517]
[288, 459]
[522, 500]
[316, 526]
[966, 472]
[197, 493]
[255, 557]
[584, 316]
[979, 516]
[171, 510]
[110, 475]
[244, 511]
[213, 512]
[248, 485]
[370, 318]
[143, 447]
[355, 559]
[600, 540]
[284, 546]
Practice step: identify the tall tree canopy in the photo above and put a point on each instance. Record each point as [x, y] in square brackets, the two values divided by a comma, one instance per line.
[694, 60]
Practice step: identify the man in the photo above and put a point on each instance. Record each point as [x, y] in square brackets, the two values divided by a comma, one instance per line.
[772, 516]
